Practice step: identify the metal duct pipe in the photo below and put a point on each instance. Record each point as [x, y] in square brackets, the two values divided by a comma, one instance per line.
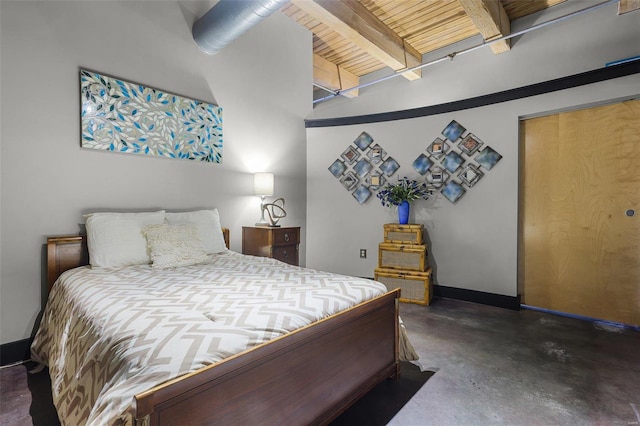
[229, 19]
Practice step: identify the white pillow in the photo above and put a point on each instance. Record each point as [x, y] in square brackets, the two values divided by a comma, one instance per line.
[116, 239]
[174, 245]
[208, 224]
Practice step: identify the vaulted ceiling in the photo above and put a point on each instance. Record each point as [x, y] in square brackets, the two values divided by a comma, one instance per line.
[352, 38]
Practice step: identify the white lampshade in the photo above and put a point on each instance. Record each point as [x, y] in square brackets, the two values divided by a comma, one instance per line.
[263, 184]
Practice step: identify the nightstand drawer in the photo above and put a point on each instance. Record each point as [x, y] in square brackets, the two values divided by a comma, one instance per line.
[284, 236]
[287, 254]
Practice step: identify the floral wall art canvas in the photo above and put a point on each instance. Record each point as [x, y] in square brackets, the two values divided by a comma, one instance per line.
[121, 116]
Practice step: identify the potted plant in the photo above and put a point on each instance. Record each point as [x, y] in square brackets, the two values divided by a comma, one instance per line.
[402, 194]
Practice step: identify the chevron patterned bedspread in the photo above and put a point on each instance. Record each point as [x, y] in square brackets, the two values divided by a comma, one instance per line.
[108, 334]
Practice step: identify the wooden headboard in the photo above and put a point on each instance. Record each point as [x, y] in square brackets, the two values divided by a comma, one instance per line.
[67, 252]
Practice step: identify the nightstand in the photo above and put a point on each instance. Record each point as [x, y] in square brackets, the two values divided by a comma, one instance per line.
[278, 243]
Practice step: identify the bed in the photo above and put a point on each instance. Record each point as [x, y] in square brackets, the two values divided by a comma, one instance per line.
[307, 374]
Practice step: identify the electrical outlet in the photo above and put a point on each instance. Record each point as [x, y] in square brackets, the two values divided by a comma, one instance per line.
[363, 253]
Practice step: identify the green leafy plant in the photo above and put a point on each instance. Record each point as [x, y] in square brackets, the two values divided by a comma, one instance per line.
[410, 190]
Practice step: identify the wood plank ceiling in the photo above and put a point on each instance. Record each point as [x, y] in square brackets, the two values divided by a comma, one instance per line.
[354, 38]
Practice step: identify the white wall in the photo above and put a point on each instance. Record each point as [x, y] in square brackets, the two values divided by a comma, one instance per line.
[48, 181]
[473, 244]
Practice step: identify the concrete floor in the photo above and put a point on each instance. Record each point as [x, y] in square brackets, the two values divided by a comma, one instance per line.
[486, 366]
[496, 366]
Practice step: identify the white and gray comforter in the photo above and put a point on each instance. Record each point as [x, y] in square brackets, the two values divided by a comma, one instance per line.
[108, 334]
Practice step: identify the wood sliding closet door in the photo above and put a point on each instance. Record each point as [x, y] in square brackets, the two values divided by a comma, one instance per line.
[579, 244]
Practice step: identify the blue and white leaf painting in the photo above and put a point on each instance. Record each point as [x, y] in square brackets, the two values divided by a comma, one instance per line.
[125, 117]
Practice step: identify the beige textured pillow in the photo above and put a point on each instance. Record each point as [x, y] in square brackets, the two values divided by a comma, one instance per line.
[174, 245]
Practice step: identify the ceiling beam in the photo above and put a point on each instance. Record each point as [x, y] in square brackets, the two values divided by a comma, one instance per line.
[357, 24]
[491, 20]
[329, 75]
[625, 6]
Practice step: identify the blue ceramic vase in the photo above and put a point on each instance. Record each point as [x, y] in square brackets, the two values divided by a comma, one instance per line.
[403, 213]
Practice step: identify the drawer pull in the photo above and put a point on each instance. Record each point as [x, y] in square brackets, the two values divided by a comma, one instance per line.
[284, 253]
[286, 237]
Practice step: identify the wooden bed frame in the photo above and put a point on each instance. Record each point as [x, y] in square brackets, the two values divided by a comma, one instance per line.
[309, 376]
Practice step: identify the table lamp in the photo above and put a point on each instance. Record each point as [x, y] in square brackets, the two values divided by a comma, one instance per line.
[263, 187]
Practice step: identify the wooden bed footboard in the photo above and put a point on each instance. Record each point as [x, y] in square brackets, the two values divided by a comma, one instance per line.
[308, 376]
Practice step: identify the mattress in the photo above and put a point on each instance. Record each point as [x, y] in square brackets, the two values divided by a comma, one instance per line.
[110, 333]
